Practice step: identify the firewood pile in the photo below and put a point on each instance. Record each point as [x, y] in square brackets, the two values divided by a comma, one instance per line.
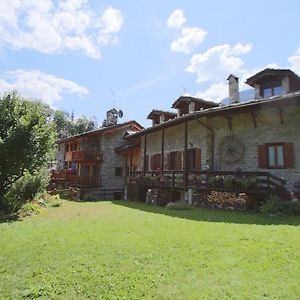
[223, 200]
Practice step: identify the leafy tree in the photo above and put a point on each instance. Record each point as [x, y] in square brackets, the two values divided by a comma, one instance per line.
[84, 124]
[26, 140]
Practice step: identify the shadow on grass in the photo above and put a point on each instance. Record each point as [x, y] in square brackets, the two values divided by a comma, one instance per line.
[213, 215]
[9, 218]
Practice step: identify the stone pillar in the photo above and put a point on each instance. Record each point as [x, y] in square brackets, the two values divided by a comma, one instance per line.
[257, 91]
[191, 107]
[285, 85]
[190, 196]
[161, 118]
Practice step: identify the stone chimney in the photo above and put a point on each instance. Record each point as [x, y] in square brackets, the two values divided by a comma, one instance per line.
[233, 85]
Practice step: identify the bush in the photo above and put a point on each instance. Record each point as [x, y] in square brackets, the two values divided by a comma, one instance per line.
[26, 189]
[275, 206]
[178, 206]
[29, 209]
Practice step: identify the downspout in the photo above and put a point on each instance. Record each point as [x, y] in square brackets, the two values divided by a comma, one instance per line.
[212, 142]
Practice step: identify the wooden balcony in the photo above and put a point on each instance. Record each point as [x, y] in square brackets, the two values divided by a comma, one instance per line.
[85, 181]
[82, 156]
[229, 181]
[63, 175]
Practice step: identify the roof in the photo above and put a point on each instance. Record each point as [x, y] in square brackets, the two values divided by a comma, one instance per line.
[202, 102]
[258, 77]
[286, 99]
[160, 112]
[102, 130]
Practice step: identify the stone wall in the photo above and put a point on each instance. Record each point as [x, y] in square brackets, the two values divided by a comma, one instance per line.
[268, 130]
[111, 160]
[174, 141]
[60, 156]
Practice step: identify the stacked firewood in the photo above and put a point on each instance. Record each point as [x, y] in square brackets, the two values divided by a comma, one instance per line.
[223, 200]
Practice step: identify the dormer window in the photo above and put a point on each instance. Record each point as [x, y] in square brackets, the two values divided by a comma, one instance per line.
[269, 90]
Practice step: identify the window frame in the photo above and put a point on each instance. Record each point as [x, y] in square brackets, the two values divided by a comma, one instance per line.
[276, 166]
[117, 173]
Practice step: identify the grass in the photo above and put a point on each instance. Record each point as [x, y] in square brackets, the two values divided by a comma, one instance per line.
[123, 250]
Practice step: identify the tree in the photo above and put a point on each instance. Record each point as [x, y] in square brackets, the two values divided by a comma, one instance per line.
[27, 139]
[84, 124]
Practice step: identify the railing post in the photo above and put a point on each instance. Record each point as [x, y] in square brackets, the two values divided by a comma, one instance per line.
[268, 183]
[173, 179]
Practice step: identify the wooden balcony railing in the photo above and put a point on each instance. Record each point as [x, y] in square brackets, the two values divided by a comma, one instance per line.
[63, 175]
[85, 181]
[81, 155]
[231, 181]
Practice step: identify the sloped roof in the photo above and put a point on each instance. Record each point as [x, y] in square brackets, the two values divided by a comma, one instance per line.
[202, 102]
[275, 101]
[258, 77]
[102, 130]
[155, 112]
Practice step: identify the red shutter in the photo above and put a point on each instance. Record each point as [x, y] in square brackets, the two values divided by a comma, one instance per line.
[198, 159]
[262, 156]
[288, 155]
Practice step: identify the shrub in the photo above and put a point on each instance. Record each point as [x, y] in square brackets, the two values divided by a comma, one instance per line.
[177, 206]
[29, 209]
[26, 188]
[275, 206]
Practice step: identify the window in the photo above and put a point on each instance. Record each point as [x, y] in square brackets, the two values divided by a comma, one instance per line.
[118, 171]
[271, 90]
[275, 156]
[174, 160]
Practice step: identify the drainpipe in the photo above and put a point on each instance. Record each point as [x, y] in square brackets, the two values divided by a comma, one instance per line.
[212, 142]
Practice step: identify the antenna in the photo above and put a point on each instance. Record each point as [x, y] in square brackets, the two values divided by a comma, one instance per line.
[184, 90]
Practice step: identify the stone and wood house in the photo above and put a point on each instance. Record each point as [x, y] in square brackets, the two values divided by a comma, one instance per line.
[89, 161]
[249, 147]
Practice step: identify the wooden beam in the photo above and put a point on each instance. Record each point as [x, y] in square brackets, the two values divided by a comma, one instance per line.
[162, 156]
[185, 154]
[254, 116]
[229, 120]
[131, 158]
[145, 153]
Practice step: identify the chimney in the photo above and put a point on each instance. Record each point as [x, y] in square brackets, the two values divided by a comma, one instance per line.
[233, 85]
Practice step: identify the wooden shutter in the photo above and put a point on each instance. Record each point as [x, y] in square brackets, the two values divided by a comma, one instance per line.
[157, 161]
[198, 159]
[288, 150]
[178, 160]
[168, 161]
[147, 163]
[262, 156]
[152, 162]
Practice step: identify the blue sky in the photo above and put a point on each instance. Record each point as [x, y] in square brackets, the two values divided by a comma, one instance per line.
[136, 55]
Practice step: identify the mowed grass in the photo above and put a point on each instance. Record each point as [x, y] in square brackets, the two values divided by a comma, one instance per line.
[123, 250]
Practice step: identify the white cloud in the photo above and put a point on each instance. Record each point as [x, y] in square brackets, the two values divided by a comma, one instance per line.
[218, 62]
[219, 90]
[176, 19]
[37, 85]
[189, 39]
[52, 27]
[295, 61]
[216, 92]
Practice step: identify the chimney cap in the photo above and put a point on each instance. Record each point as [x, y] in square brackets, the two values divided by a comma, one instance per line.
[231, 75]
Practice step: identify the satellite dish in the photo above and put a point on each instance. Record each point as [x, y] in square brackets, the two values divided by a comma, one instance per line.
[120, 113]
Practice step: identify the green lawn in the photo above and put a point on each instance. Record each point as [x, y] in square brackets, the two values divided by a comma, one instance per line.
[123, 250]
